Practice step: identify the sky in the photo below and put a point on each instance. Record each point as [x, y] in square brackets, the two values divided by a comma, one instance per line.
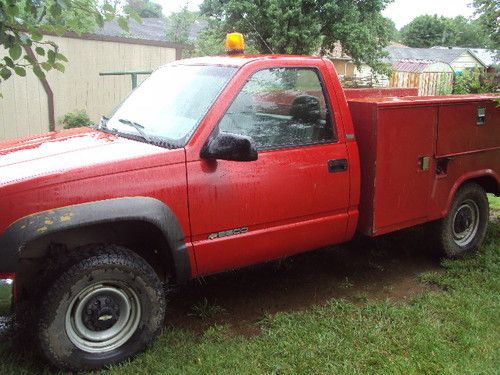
[403, 11]
[400, 11]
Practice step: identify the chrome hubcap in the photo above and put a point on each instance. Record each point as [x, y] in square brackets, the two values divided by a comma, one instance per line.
[102, 317]
[465, 223]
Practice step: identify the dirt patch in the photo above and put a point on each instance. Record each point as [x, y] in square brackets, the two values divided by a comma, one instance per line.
[365, 269]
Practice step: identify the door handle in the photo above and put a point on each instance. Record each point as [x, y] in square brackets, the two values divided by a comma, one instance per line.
[337, 165]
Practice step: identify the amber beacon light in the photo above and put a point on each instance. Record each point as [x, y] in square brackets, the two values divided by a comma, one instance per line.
[235, 43]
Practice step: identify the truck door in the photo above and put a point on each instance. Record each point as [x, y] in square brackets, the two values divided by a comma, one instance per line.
[294, 197]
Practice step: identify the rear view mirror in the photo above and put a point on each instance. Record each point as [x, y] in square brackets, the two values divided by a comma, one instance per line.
[229, 146]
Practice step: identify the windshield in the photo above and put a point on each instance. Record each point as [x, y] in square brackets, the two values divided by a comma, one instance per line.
[170, 104]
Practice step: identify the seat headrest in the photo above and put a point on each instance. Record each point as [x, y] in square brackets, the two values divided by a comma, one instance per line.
[306, 108]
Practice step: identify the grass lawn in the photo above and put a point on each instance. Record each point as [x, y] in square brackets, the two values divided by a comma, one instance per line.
[5, 293]
[452, 328]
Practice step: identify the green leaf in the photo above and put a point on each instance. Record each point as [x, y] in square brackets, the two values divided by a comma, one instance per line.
[12, 10]
[59, 30]
[5, 73]
[38, 72]
[59, 66]
[40, 51]
[51, 56]
[9, 62]
[55, 9]
[15, 51]
[108, 8]
[46, 66]
[29, 59]
[60, 56]
[99, 19]
[135, 16]
[20, 71]
[10, 40]
[123, 23]
[36, 35]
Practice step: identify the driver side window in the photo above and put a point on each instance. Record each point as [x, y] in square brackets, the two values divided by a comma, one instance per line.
[280, 108]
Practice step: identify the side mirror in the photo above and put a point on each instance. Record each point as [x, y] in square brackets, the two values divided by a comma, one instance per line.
[229, 146]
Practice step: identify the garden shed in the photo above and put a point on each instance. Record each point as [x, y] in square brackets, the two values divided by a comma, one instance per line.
[430, 77]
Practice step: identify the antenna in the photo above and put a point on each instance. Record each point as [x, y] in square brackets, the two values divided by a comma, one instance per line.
[260, 36]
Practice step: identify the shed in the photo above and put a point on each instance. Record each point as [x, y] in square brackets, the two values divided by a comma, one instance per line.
[24, 108]
[431, 77]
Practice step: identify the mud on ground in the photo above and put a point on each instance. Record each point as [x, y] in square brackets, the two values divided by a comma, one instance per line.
[362, 270]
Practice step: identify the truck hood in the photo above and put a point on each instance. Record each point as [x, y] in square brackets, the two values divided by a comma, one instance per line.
[85, 152]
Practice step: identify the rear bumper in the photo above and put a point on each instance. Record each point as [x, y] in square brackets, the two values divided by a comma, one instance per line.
[7, 275]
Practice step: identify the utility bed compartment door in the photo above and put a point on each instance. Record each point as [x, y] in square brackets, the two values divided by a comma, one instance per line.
[405, 149]
[466, 127]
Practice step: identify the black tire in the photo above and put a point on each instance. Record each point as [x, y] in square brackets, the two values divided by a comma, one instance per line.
[109, 291]
[463, 230]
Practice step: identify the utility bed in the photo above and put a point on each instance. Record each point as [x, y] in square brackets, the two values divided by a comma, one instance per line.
[408, 146]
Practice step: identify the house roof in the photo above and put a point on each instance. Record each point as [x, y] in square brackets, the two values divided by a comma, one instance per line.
[488, 56]
[446, 55]
[149, 29]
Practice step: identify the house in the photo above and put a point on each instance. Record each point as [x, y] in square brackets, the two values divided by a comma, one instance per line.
[28, 108]
[458, 58]
[490, 57]
[342, 62]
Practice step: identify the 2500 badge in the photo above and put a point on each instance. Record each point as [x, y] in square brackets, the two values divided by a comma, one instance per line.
[225, 233]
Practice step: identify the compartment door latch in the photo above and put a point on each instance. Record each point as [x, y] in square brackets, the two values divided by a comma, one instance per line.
[424, 162]
[481, 116]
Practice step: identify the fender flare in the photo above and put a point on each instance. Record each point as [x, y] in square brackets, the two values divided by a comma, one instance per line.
[150, 210]
[463, 179]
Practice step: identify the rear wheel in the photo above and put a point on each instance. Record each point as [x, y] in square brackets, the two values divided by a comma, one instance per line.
[463, 230]
[108, 306]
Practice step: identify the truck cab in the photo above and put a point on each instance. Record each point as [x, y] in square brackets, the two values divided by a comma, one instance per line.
[304, 178]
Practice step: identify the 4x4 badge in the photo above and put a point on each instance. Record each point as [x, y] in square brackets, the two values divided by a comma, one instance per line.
[225, 233]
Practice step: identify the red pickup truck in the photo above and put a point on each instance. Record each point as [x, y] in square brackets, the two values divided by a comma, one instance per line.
[221, 162]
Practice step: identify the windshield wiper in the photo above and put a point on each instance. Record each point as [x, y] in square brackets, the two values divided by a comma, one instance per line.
[102, 124]
[137, 127]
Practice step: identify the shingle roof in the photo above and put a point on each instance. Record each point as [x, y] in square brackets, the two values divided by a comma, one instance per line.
[487, 56]
[446, 55]
[150, 29]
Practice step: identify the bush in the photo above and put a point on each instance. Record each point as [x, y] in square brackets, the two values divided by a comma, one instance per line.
[75, 119]
[474, 81]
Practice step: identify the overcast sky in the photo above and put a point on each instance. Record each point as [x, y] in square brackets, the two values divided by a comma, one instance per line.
[400, 11]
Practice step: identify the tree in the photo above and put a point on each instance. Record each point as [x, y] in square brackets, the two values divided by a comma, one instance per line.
[489, 17]
[145, 8]
[428, 31]
[178, 25]
[305, 26]
[468, 33]
[474, 81]
[23, 23]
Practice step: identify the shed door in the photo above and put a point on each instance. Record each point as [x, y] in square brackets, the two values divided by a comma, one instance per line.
[405, 136]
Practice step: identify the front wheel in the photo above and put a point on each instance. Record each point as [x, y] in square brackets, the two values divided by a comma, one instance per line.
[463, 230]
[106, 307]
